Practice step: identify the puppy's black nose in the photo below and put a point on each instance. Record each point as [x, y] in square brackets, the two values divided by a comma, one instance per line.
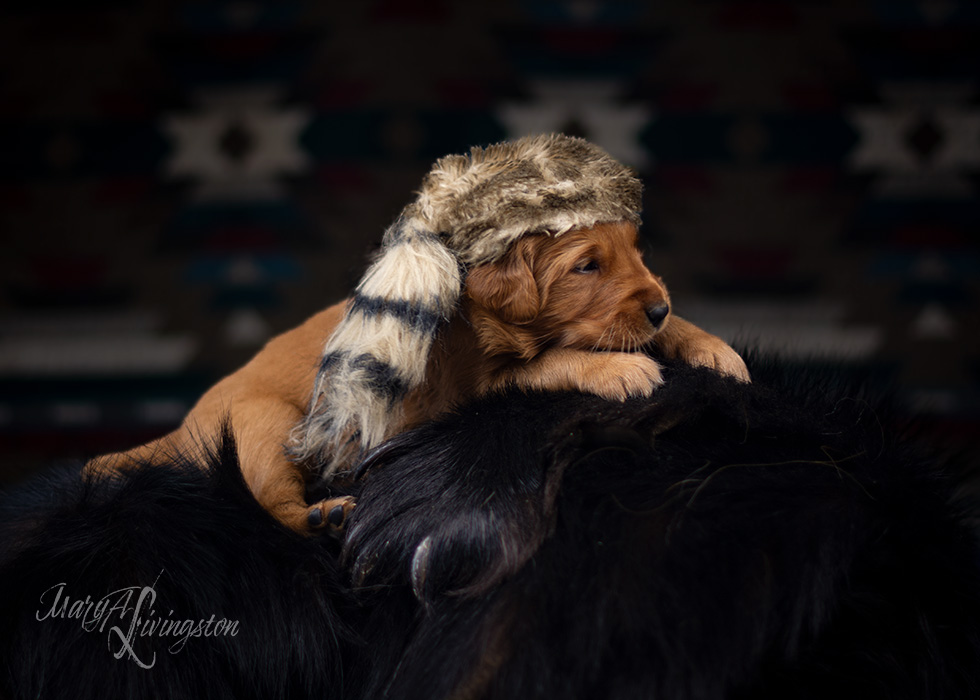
[657, 314]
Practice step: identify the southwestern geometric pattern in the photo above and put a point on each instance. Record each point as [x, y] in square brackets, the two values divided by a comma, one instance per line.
[180, 181]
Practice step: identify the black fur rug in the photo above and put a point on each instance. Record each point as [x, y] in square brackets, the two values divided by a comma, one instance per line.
[785, 539]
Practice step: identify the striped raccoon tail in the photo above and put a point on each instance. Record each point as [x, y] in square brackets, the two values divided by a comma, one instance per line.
[379, 351]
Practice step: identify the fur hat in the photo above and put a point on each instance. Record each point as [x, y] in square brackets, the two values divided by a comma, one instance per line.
[469, 211]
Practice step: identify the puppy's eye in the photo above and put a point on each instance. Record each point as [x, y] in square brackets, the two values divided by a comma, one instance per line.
[587, 266]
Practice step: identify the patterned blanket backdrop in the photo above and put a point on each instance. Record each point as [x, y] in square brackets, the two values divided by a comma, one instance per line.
[180, 181]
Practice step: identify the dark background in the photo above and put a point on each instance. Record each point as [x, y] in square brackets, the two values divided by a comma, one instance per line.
[179, 181]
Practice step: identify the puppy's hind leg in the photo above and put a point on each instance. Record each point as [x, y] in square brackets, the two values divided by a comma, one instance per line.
[278, 484]
[284, 497]
[330, 513]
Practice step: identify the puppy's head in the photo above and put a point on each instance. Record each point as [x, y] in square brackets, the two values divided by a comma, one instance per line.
[587, 289]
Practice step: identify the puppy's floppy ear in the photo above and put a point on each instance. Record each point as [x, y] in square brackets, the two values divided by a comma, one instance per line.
[507, 287]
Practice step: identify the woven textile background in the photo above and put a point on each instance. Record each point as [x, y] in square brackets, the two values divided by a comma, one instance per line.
[179, 181]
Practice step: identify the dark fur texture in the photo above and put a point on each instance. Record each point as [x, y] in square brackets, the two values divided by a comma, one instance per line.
[207, 548]
[772, 540]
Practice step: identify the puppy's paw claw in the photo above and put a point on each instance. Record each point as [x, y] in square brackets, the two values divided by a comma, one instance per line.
[331, 514]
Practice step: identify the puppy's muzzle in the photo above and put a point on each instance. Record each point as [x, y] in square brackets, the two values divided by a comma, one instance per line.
[657, 314]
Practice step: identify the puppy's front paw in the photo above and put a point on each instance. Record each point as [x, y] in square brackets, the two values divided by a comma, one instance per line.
[620, 375]
[330, 514]
[716, 354]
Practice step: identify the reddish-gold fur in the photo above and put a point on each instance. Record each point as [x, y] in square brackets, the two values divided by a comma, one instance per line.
[566, 312]
[534, 320]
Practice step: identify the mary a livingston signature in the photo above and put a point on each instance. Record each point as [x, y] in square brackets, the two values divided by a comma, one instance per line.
[134, 619]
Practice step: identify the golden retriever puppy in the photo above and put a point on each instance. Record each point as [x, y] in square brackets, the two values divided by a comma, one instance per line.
[568, 312]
